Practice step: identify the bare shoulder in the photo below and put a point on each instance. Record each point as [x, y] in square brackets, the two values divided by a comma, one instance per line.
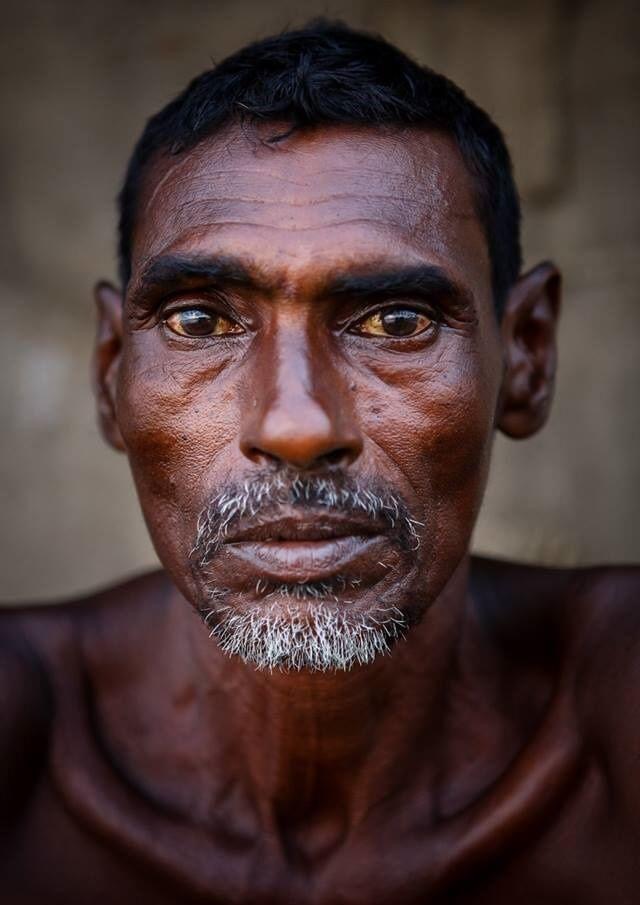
[48, 629]
[606, 601]
[608, 669]
[590, 606]
[604, 644]
[25, 715]
[588, 620]
[40, 649]
[589, 617]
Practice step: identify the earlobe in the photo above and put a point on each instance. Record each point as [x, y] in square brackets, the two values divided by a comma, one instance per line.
[529, 340]
[106, 360]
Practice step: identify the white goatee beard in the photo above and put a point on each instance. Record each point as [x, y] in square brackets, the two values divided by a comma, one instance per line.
[297, 634]
[300, 626]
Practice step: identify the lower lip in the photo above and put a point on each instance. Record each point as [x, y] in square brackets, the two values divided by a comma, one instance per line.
[306, 560]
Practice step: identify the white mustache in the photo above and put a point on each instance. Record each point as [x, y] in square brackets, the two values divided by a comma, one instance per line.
[265, 495]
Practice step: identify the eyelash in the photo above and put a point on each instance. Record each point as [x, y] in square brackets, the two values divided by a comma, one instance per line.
[217, 308]
[346, 327]
[433, 314]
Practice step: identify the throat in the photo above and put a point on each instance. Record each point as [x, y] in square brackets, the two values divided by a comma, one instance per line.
[280, 750]
[324, 748]
[319, 741]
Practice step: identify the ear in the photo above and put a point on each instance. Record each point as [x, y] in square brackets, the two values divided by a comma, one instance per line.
[529, 340]
[106, 360]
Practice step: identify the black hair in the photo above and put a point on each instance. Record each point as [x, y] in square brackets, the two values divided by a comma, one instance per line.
[328, 73]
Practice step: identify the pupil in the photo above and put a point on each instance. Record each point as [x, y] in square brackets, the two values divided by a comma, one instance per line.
[197, 322]
[400, 323]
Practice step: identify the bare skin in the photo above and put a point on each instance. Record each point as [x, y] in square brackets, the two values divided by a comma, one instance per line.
[493, 755]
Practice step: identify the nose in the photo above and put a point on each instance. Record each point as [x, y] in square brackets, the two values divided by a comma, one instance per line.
[301, 413]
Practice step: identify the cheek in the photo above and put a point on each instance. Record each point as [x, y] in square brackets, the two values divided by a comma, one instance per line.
[176, 419]
[458, 416]
[436, 424]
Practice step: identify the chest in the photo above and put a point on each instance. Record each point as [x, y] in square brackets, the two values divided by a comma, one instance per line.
[578, 853]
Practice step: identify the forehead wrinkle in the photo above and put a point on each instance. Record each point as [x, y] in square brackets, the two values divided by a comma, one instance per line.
[207, 169]
[407, 190]
[146, 202]
[422, 154]
[201, 165]
[406, 232]
[212, 176]
[319, 276]
[429, 181]
[303, 217]
[306, 202]
[394, 208]
[398, 213]
[188, 240]
[415, 208]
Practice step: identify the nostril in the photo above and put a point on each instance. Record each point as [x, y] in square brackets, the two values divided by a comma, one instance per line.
[308, 440]
[335, 457]
[260, 457]
[338, 457]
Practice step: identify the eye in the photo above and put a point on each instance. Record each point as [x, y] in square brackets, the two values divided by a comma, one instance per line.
[200, 322]
[394, 322]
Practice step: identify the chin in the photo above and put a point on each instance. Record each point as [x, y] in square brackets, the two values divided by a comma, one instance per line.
[320, 626]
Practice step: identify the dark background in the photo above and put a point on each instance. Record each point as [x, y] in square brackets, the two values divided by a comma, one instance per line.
[77, 80]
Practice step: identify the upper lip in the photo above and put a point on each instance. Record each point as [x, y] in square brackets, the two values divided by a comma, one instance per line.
[317, 527]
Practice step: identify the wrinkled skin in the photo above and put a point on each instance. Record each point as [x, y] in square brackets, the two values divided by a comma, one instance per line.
[415, 414]
[489, 757]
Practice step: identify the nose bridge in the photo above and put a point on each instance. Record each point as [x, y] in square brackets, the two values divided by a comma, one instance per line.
[301, 414]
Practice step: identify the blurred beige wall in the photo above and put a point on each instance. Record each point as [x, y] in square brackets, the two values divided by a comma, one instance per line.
[78, 80]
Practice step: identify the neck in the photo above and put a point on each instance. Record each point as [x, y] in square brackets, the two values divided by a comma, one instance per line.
[290, 749]
[306, 741]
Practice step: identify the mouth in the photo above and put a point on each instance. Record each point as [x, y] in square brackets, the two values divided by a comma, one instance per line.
[299, 550]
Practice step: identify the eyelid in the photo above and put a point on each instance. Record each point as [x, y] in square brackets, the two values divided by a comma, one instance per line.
[376, 308]
[172, 328]
[211, 304]
[174, 307]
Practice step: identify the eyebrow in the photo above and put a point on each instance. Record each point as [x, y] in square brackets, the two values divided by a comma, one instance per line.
[417, 280]
[171, 271]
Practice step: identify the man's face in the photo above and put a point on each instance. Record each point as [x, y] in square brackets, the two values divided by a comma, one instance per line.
[315, 314]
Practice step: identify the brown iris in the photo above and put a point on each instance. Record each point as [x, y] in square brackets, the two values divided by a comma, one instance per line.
[198, 322]
[395, 322]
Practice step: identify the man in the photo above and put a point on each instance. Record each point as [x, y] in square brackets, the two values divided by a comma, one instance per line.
[322, 323]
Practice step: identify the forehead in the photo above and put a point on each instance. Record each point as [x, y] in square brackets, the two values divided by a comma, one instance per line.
[323, 197]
